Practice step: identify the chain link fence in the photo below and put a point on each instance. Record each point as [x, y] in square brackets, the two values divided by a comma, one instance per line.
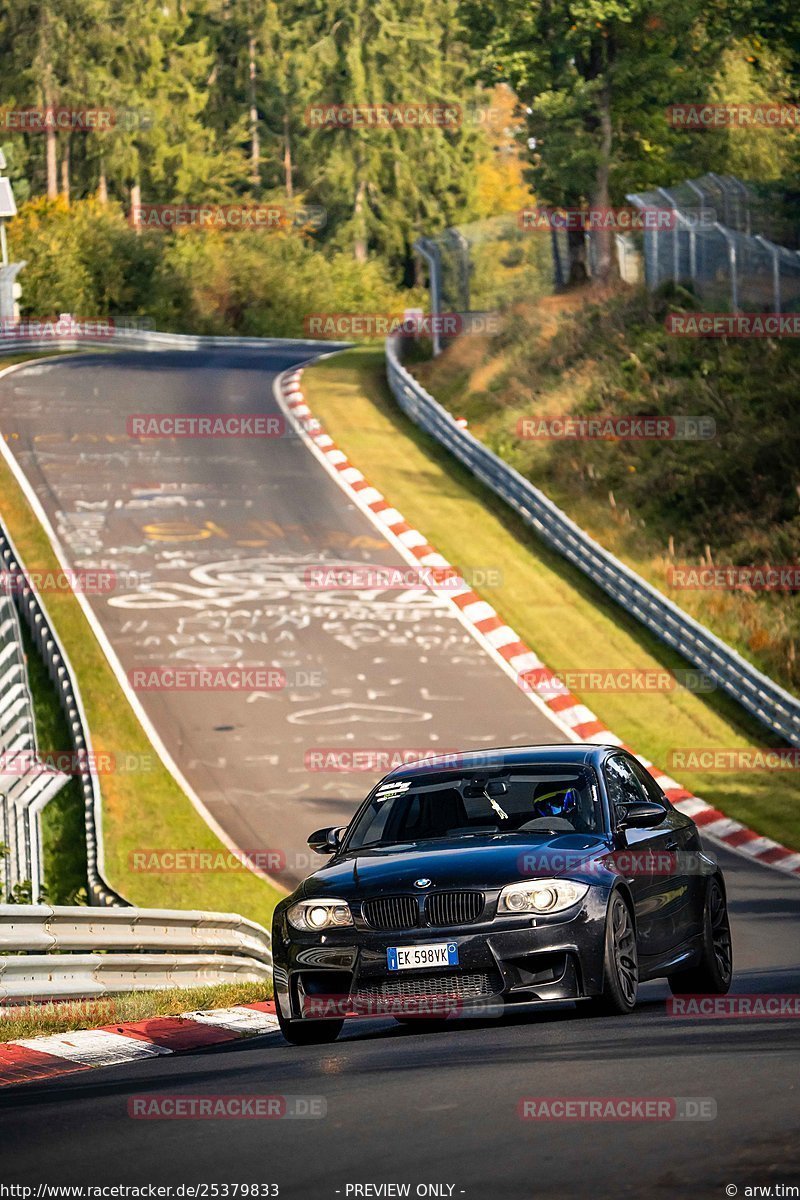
[488, 264]
[729, 241]
[721, 244]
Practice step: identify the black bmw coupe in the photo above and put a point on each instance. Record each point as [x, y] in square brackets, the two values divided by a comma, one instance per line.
[531, 874]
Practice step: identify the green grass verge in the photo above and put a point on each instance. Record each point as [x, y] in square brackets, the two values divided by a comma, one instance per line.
[731, 499]
[145, 809]
[61, 1016]
[569, 622]
[63, 819]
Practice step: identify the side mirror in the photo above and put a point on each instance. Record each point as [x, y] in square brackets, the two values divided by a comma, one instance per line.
[325, 841]
[639, 816]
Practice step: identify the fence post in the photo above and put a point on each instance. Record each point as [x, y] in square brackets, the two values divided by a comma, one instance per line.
[701, 196]
[558, 270]
[726, 233]
[776, 271]
[430, 252]
[462, 257]
[676, 248]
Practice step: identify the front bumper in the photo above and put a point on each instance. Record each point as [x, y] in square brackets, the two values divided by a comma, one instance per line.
[514, 960]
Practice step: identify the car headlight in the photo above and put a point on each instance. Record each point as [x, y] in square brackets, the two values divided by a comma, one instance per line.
[313, 915]
[541, 896]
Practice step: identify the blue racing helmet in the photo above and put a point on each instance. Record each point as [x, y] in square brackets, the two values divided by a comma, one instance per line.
[562, 802]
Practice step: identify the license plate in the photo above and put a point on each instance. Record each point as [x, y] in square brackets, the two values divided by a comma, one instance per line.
[436, 954]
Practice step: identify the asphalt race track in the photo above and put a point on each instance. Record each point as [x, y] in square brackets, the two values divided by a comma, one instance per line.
[401, 1105]
[210, 541]
[442, 1107]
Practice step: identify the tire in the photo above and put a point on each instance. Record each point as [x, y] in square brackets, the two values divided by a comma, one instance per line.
[620, 963]
[308, 1033]
[712, 976]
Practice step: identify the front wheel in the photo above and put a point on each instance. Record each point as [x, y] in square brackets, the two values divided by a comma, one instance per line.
[712, 975]
[621, 963]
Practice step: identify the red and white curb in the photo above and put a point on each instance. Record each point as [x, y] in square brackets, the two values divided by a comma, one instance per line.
[40, 1058]
[504, 645]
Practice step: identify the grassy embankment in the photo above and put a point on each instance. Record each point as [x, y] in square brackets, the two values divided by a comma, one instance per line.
[569, 622]
[658, 505]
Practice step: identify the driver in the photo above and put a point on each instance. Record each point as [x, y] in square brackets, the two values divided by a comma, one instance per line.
[555, 802]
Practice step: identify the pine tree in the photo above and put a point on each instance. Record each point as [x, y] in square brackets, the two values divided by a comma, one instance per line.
[384, 186]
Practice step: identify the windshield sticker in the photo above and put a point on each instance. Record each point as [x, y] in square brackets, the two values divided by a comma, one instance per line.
[387, 790]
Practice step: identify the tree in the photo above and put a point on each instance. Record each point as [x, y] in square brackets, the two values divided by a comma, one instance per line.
[597, 76]
[48, 52]
[384, 186]
[167, 150]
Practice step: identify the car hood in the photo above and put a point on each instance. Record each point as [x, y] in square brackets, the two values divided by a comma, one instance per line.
[486, 862]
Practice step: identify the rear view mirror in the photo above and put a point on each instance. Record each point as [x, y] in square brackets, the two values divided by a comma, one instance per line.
[488, 787]
[325, 841]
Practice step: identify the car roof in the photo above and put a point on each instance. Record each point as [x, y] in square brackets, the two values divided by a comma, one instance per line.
[503, 757]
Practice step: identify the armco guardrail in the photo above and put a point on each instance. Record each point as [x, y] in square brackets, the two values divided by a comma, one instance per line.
[24, 789]
[33, 612]
[59, 952]
[143, 339]
[762, 697]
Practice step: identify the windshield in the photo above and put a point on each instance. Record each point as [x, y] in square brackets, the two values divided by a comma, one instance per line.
[531, 800]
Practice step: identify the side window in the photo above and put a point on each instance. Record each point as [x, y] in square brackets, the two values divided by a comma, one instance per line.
[651, 789]
[623, 786]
